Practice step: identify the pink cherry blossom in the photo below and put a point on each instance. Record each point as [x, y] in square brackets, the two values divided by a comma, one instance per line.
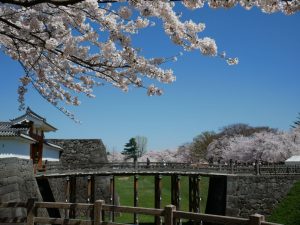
[60, 42]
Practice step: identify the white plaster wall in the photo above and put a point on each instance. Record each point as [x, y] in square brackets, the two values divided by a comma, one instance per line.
[50, 154]
[14, 148]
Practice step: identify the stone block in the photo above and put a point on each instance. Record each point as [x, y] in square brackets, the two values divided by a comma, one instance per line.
[9, 188]
[232, 212]
[13, 179]
[5, 197]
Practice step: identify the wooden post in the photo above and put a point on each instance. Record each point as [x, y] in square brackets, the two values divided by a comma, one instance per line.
[157, 200]
[67, 196]
[256, 219]
[89, 189]
[31, 211]
[257, 169]
[178, 192]
[72, 196]
[169, 214]
[136, 198]
[98, 212]
[93, 189]
[112, 196]
[190, 193]
[175, 186]
[231, 166]
[197, 194]
[175, 192]
[91, 192]
[194, 194]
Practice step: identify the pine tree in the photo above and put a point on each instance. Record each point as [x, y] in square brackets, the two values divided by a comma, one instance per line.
[297, 122]
[131, 150]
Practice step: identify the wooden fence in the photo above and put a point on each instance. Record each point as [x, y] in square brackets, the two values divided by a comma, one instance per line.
[169, 214]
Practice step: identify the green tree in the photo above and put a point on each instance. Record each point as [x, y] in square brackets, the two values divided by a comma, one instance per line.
[297, 122]
[200, 143]
[131, 150]
[242, 129]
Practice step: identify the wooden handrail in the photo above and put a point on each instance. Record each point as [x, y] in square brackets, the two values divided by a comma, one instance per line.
[139, 210]
[169, 213]
[63, 205]
[211, 218]
[269, 223]
[44, 220]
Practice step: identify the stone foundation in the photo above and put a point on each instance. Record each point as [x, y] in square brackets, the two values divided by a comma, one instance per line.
[251, 194]
[17, 184]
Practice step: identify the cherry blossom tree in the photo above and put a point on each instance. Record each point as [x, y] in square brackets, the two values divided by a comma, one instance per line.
[267, 145]
[67, 47]
[115, 157]
[263, 146]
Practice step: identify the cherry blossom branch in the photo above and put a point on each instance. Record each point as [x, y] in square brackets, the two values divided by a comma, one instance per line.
[30, 3]
[61, 46]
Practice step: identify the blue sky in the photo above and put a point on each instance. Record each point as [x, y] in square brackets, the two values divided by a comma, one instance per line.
[262, 90]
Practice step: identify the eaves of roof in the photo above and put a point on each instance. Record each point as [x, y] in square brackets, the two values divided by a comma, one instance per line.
[295, 158]
[53, 146]
[5, 135]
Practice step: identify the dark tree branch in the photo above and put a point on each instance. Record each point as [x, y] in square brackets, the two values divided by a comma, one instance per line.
[30, 3]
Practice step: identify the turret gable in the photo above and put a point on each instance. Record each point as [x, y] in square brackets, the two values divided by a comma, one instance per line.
[37, 121]
[23, 137]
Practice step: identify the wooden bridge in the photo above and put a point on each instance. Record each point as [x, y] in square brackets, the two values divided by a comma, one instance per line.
[169, 215]
[70, 180]
[218, 181]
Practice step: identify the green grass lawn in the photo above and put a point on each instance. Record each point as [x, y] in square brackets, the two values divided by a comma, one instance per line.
[124, 188]
[288, 210]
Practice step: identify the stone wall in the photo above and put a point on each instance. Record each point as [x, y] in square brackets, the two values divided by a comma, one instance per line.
[17, 183]
[79, 154]
[247, 195]
[81, 151]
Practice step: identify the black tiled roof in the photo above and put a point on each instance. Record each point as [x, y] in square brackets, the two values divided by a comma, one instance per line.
[13, 129]
[4, 125]
[7, 129]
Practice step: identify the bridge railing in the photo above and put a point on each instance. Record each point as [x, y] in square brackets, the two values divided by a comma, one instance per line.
[169, 214]
[228, 168]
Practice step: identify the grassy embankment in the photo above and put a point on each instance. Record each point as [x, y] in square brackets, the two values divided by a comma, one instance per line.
[124, 188]
[288, 210]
